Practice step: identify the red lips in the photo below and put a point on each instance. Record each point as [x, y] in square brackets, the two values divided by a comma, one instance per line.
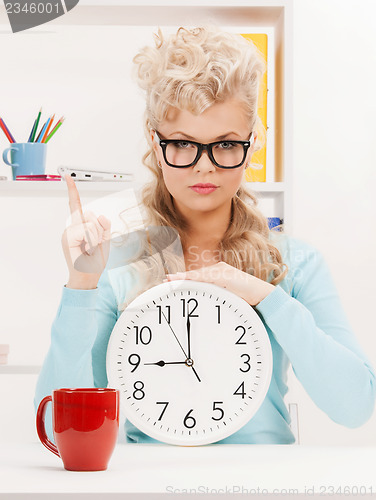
[200, 185]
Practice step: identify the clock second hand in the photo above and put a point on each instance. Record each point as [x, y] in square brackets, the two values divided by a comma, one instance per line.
[181, 347]
[196, 373]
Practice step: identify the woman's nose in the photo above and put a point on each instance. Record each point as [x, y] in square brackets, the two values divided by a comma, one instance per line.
[204, 163]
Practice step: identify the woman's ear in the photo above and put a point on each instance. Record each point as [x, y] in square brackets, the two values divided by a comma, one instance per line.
[251, 150]
[254, 138]
[152, 136]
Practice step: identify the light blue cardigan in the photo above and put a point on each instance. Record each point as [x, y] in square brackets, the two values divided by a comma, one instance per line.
[305, 321]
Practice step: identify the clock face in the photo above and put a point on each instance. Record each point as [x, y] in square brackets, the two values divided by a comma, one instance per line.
[192, 361]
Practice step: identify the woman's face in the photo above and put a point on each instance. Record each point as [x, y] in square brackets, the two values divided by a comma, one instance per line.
[222, 121]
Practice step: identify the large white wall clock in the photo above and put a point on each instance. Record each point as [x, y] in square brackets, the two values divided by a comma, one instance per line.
[192, 361]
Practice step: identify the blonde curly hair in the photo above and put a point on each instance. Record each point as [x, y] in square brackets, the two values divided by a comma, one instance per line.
[192, 70]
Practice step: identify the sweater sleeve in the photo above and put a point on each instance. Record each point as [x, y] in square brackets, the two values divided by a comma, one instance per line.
[84, 318]
[312, 329]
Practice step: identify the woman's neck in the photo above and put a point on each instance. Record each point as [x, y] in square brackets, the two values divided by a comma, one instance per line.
[207, 229]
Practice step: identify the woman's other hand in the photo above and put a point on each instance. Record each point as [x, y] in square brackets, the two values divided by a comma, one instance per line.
[253, 290]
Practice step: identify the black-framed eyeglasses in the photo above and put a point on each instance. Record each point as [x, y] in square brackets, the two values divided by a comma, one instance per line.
[181, 153]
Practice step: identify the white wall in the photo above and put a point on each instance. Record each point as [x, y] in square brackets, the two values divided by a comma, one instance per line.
[335, 168]
[334, 149]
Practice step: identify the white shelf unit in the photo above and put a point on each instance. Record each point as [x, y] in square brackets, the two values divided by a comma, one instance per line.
[275, 14]
[269, 14]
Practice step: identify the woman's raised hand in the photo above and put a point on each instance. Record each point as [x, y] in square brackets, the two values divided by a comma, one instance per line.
[86, 243]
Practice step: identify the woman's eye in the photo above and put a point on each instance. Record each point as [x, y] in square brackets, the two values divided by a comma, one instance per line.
[182, 144]
[227, 145]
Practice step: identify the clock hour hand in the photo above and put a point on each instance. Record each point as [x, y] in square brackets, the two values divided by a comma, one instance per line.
[162, 363]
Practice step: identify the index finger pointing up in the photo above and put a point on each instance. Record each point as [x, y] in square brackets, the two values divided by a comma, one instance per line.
[74, 200]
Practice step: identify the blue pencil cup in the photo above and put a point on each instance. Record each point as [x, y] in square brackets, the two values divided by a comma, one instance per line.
[26, 158]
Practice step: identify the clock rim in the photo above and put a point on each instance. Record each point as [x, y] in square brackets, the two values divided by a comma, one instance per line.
[164, 289]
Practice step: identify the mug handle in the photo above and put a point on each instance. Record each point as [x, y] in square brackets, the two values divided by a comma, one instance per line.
[5, 157]
[41, 429]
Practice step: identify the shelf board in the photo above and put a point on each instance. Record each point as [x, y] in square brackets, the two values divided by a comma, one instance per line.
[267, 187]
[172, 3]
[60, 186]
[52, 188]
[168, 12]
[19, 369]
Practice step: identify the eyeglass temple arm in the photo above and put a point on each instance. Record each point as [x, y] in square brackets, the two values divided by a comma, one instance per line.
[156, 136]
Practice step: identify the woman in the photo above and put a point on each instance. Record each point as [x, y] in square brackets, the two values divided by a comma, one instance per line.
[202, 128]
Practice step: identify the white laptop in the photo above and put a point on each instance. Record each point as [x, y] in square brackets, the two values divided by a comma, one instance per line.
[80, 174]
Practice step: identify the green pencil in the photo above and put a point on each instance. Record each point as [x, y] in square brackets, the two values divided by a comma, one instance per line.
[54, 130]
[36, 126]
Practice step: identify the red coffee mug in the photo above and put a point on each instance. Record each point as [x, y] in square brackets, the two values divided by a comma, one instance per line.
[85, 426]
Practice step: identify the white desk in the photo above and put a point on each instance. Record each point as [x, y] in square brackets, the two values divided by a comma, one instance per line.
[30, 470]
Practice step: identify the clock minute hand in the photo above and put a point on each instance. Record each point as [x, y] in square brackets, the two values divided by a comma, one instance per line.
[181, 347]
[189, 336]
[189, 347]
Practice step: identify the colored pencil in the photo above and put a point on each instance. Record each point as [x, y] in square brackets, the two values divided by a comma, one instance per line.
[6, 131]
[40, 135]
[48, 129]
[32, 130]
[54, 130]
[36, 125]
